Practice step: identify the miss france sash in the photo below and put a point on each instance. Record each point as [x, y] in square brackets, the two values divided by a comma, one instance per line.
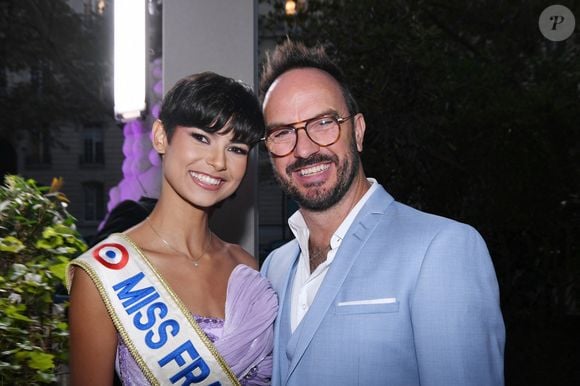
[164, 339]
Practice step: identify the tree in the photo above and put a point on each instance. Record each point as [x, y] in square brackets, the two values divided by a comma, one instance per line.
[54, 65]
[37, 239]
[475, 115]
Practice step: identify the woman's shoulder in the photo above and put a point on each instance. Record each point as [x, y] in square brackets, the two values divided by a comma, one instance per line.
[240, 256]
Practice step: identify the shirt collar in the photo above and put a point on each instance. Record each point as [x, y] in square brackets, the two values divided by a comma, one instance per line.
[301, 232]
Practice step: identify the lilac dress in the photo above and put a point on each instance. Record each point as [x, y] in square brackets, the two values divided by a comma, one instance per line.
[244, 338]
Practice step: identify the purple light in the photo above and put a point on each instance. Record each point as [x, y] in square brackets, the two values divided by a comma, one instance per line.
[142, 165]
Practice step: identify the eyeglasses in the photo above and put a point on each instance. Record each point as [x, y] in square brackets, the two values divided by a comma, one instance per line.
[323, 131]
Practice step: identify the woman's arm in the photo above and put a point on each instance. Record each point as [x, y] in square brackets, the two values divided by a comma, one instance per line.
[93, 337]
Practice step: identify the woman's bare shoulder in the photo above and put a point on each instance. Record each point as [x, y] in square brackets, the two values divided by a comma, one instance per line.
[241, 256]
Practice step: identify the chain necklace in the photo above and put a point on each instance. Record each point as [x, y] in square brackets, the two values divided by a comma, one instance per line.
[194, 261]
[317, 256]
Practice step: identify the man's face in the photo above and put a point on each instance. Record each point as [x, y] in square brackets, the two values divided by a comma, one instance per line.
[316, 177]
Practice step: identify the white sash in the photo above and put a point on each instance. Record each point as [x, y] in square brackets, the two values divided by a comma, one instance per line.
[166, 342]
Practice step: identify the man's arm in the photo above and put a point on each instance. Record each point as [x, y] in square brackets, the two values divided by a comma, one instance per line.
[458, 327]
[266, 265]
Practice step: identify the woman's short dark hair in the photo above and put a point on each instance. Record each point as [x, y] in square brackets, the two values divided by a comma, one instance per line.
[212, 102]
[292, 55]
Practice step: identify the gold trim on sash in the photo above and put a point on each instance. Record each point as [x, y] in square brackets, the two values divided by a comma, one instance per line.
[88, 264]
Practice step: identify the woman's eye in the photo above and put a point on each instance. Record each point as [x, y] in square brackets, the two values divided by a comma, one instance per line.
[239, 150]
[200, 137]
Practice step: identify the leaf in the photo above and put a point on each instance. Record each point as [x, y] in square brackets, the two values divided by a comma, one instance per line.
[11, 244]
[63, 230]
[41, 361]
[48, 242]
[13, 311]
[46, 377]
[59, 270]
[62, 259]
[4, 204]
[11, 366]
[9, 352]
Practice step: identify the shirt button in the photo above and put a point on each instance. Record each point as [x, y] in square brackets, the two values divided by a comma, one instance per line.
[304, 306]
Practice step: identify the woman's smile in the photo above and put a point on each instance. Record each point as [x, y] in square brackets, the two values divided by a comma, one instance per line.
[206, 181]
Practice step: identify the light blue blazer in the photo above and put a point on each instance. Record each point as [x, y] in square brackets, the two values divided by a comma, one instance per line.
[410, 299]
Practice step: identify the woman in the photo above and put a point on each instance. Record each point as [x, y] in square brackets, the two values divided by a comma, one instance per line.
[168, 301]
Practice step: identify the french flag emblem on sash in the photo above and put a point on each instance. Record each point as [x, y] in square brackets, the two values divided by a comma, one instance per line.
[112, 256]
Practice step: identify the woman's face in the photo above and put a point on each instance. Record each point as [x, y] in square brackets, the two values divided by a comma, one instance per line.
[203, 168]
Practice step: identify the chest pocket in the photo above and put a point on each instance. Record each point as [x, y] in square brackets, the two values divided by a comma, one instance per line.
[371, 306]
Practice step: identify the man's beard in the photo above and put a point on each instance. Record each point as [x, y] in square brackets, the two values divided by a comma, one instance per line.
[321, 199]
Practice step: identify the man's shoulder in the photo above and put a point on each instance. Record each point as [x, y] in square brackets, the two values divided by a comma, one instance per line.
[413, 214]
[287, 251]
[410, 220]
[419, 226]
[280, 259]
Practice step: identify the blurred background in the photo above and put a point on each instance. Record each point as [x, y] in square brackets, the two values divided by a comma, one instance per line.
[472, 113]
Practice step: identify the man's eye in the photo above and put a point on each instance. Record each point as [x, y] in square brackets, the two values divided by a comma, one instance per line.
[282, 134]
[324, 122]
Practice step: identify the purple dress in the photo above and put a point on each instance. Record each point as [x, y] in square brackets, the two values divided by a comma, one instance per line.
[244, 338]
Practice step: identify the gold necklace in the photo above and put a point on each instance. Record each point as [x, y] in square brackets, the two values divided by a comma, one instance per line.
[194, 261]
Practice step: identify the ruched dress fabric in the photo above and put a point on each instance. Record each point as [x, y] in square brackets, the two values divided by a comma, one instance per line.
[244, 338]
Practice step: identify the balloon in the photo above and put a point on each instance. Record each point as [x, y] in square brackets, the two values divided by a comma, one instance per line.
[154, 157]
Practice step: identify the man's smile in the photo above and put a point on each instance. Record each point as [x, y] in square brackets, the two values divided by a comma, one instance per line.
[314, 169]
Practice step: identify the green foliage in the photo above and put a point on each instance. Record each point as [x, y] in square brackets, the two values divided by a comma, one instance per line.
[37, 239]
[472, 114]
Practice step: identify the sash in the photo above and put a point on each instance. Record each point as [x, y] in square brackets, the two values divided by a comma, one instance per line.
[163, 337]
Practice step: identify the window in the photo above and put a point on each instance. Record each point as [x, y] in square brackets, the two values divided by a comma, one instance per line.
[94, 201]
[39, 148]
[93, 147]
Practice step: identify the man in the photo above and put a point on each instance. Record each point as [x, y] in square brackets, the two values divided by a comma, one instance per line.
[371, 291]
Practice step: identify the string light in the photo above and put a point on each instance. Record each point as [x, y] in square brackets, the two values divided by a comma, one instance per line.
[290, 7]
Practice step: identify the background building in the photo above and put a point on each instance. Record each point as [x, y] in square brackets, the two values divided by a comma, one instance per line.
[55, 86]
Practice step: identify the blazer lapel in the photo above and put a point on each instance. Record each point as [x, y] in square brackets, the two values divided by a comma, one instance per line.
[281, 276]
[347, 254]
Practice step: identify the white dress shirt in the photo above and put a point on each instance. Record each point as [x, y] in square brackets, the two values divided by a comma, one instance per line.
[306, 284]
